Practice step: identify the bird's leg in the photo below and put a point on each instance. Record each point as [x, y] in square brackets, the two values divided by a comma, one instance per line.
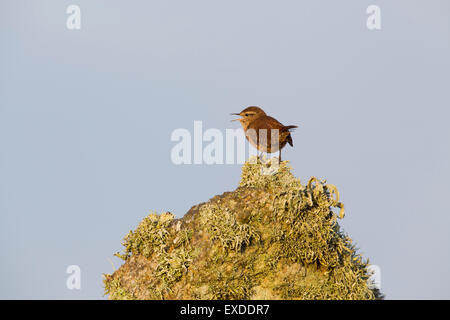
[279, 156]
[257, 148]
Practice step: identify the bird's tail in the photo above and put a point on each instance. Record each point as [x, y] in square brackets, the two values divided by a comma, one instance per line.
[289, 128]
[289, 138]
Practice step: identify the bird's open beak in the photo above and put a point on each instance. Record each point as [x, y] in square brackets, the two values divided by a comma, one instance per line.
[235, 114]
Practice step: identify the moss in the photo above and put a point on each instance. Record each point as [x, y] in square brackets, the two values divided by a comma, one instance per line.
[149, 237]
[222, 225]
[115, 290]
[271, 238]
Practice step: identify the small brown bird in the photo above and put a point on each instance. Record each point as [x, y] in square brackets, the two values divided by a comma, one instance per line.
[262, 131]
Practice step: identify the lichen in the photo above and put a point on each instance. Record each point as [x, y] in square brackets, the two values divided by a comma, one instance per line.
[271, 238]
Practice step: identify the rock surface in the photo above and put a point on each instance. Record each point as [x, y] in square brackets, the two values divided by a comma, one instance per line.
[271, 238]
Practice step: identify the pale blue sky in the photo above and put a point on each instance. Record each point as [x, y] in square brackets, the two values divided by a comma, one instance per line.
[86, 118]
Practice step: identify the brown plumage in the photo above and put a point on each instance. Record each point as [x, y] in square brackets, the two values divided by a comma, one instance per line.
[261, 130]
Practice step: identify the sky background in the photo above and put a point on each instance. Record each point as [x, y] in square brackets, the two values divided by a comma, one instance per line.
[86, 118]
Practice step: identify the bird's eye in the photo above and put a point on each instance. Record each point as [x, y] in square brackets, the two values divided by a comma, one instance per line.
[246, 114]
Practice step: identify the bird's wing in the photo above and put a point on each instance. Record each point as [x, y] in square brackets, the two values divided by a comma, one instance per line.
[272, 123]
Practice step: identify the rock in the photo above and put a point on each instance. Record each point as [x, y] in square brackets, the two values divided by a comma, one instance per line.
[271, 238]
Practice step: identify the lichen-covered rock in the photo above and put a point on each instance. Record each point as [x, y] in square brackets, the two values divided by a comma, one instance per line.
[271, 238]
